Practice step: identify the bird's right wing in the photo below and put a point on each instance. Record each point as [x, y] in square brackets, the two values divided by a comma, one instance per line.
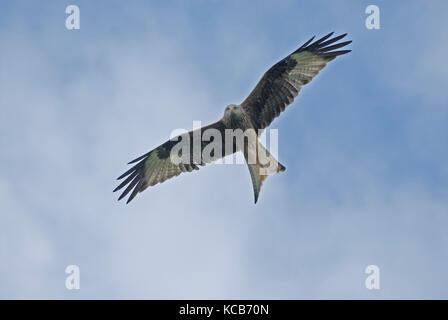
[156, 166]
[281, 83]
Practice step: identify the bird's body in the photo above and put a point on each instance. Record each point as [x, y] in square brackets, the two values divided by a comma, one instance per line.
[236, 117]
[274, 92]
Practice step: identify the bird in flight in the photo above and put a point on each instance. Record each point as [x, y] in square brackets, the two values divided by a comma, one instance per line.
[274, 92]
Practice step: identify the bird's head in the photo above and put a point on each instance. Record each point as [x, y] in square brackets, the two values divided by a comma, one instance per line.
[232, 114]
[231, 111]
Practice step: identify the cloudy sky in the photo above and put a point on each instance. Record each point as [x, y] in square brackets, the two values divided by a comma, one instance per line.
[365, 147]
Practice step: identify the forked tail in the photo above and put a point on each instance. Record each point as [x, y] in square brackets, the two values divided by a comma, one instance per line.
[261, 164]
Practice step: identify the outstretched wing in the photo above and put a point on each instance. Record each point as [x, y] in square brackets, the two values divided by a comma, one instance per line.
[281, 83]
[156, 166]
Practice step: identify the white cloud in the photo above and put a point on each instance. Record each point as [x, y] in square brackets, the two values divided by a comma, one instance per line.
[68, 133]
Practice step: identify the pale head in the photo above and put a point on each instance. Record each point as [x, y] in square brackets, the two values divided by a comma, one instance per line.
[232, 110]
[232, 114]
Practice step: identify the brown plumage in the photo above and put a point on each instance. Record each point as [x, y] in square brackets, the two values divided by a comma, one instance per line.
[274, 92]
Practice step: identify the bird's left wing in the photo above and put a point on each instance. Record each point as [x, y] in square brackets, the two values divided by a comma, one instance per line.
[281, 83]
[156, 166]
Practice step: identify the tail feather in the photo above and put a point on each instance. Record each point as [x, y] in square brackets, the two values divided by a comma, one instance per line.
[262, 168]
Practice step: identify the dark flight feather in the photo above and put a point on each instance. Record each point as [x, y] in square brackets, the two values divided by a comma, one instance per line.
[155, 166]
[277, 88]
[282, 82]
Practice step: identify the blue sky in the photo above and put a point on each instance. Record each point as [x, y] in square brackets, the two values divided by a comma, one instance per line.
[364, 145]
